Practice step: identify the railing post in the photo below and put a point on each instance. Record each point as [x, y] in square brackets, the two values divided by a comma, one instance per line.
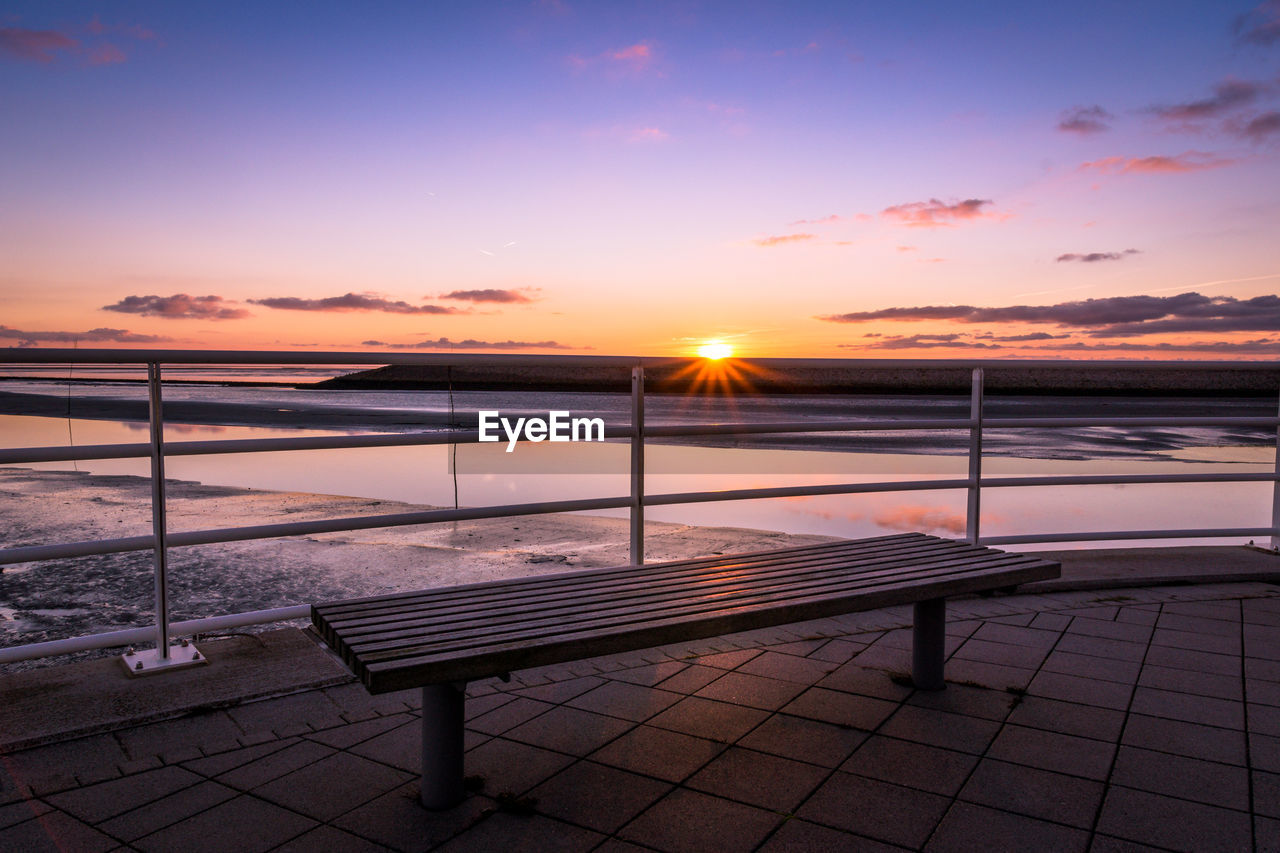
[163, 656]
[1275, 498]
[637, 465]
[159, 526]
[975, 458]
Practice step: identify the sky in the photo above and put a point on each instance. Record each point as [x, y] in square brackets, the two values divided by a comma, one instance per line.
[852, 179]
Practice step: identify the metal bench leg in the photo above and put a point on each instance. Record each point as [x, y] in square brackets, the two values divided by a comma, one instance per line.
[442, 707]
[929, 644]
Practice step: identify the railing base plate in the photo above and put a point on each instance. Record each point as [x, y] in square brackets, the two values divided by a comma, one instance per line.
[149, 662]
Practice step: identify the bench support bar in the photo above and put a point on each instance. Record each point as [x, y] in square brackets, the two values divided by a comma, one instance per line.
[442, 715]
[929, 643]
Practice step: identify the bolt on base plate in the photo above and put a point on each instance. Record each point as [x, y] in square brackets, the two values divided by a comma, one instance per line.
[149, 662]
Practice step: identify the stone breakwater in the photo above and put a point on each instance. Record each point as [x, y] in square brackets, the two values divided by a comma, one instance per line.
[685, 375]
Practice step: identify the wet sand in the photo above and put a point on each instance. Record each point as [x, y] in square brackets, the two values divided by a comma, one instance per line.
[62, 598]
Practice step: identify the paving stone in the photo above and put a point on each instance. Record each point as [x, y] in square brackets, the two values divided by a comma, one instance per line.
[1197, 641]
[21, 810]
[524, 834]
[1173, 824]
[787, 667]
[511, 767]
[1110, 844]
[1264, 752]
[1264, 719]
[1184, 706]
[570, 730]
[1068, 718]
[331, 786]
[1200, 624]
[400, 747]
[1262, 641]
[398, 821]
[754, 691]
[213, 765]
[1089, 666]
[708, 719]
[1193, 740]
[274, 765]
[168, 810]
[1034, 792]
[1016, 636]
[223, 828]
[1027, 657]
[1085, 691]
[1126, 631]
[1137, 616]
[758, 779]
[940, 728]
[884, 657]
[326, 839]
[558, 692]
[1179, 776]
[915, 765]
[96, 803]
[1082, 644]
[508, 716]
[597, 796]
[1267, 834]
[968, 827]
[1266, 793]
[963, 699]
[313, 709]
[854, 678]
[660, 753]
[801, 835]
[1059, 753]
[356, 702]
[1193, 660]
[1262, 692]
[843, 709]
[55, 832]
[1199, 683]
[729, 660]
[812, 741]
[60, 766]
[992, 676]
[692, 821]
[876, 809]
[838, 651]
[801, 648]
[627, 701]
[352, 734]
[1021, 619]
[1223, 611]
[1105, 613]
[692, 679]
[1051, 621]
[180, 739]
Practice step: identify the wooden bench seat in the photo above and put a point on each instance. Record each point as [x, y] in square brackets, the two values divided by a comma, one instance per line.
[439, 639]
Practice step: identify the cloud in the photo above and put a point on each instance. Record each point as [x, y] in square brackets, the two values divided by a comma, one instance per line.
[636, 53]
[121, 336]
[1260, 25]
[351, 302]
[1094, 257]
[1262, 126]
[1227, 95]
[106, 54]
[1189, 161]
[1085, 120]
[470, 343]
[180, 306]
[34, 45]
[648, 134]
[1113, 316]
[1260, 346]
[632, 57]
[922, 519]
[1030, 336]
[782, 239]
[826, 220]
[925, 342]
[487, 295]
[935, 214]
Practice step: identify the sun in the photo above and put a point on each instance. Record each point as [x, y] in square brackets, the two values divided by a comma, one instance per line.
[715, 350]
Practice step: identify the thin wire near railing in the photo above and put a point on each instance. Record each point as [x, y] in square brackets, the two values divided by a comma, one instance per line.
[157, 450]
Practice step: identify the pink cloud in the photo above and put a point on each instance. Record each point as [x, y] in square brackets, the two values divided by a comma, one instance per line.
[639, 53]
[937, 214]
[1189, 161]
[634, 57]
[923, 519]
[648, 134]
[106, 54]
[34, 45]
[782, 239]
[826, 220]
[180, 306]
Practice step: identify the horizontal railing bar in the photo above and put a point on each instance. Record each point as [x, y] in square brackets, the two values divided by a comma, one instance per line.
[36, 355]
[802, 491]
[32, 553]
[1027, 423]
[1127, 479]
[1101, 536]
[133, 636]
[668, 430]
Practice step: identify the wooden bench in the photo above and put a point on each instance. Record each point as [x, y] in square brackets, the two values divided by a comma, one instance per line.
[439, 639]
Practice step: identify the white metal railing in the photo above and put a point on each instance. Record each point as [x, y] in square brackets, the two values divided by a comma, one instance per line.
[157, 449]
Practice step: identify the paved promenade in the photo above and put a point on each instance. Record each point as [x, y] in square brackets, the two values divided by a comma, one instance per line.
[1110, 720]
